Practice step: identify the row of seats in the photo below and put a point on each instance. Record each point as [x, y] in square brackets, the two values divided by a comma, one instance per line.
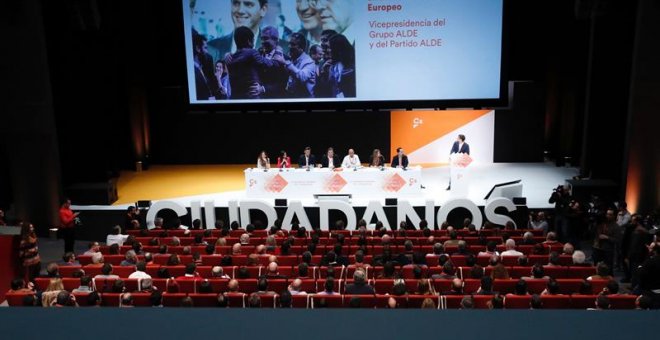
[381, 286]
[326, 233]
[239, 300]
[560, 272]
[371, 241]
[321, 249]
[294, 260]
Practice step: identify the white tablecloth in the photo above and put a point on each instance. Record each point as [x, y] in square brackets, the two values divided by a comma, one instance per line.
[301, 183]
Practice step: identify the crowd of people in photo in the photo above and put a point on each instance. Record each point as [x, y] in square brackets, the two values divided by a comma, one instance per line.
[331, 160]
[317, 61]
[406, 266]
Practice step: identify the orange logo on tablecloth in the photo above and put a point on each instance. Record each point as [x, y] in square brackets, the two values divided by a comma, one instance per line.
[276, 184]
[335, 184]
[394, 183]
[462, 161]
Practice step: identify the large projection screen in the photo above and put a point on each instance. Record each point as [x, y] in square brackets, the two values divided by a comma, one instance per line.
[372, 50]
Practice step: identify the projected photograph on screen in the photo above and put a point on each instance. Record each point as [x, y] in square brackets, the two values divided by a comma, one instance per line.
[261, 51]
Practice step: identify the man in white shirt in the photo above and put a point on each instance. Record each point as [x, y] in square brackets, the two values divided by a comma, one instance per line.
[140, 271]
[116, 237]
[218, 273]
[94, 247]
[85, 285]
[623, 217]
[351, 160]
[511, 249]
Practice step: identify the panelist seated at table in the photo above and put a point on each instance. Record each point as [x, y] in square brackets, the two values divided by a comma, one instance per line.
[400, 160]
[330, 159]
[376, 159]
[263, 162]
[284, 161]
[307, 160]
[351, 160]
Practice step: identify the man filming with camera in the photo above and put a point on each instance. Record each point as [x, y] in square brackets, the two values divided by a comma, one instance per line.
[561, 198]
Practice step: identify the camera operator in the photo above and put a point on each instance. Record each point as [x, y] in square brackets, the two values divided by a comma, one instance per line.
[561, 198]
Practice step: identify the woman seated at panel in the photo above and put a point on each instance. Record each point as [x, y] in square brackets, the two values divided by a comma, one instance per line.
[284, 161]
[376, 159]
[263, 162]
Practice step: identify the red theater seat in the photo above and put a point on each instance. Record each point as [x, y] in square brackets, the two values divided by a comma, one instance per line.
[299, 301]
[16, 299]
[481, 301]
[67, 271]
[383, 286]
[172, 299]
[123, 271]
[331, 301]
[81, 299]
[141, 299]
[247, 285]
[583, 301]
[415, 301]
[278, 285]
[110, 299]
[204, 300]
[536, 286]
[269, 300]
[309, 286]
[580, 272]
[470, 286]
[504, 286]
[517, 302]
[366, 301]
[622, 301]
[556, 301]
[441, 285]
[236, 300]
[188, 286]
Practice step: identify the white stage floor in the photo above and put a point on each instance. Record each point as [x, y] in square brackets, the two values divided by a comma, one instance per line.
[538, 180]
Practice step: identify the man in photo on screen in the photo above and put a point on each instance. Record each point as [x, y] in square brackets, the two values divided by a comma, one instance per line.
[273, 79]
[244, 13]
[310, 21]
[206, 86]
[337, 15]
[323, 88]
[301, 68]
[245, 65]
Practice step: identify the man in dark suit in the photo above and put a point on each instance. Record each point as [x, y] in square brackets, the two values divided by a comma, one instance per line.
[330, 160]
[274, 79]
[400, 160]
[307, 159]
[459, 147]
[360, 286]
[205, 83]
[245, 65]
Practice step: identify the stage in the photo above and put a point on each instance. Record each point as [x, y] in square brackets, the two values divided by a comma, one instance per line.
[222, 183]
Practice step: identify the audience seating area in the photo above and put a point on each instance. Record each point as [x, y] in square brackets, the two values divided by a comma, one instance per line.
[570, 278]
